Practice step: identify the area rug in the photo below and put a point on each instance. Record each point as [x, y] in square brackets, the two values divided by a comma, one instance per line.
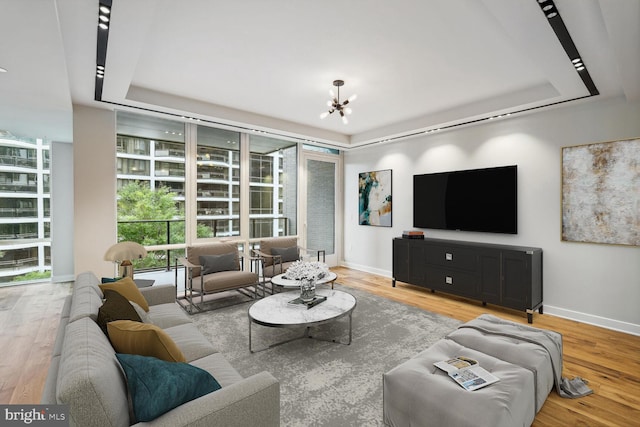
[325, 383]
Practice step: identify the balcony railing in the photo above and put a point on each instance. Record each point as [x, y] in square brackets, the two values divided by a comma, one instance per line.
[19, 188]
[19, 161]
[18, 264]
[19, 212]
[171, 232]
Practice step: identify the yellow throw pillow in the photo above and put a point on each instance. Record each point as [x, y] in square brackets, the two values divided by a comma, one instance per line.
[143, 339]
[128, 289]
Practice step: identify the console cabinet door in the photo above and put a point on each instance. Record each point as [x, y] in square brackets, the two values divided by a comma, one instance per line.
[490, 266]
[516, 270]
[401, 260]
[417, 262]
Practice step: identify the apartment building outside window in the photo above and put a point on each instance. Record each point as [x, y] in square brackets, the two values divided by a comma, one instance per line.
[217, 182]
[273, 184]
[25, 245]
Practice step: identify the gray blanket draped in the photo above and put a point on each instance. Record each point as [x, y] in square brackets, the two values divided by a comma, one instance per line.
[548, 340]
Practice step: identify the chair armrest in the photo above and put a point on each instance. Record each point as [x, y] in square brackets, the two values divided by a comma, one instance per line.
[264, 255]
[254, 401]
[185, 262]
[161, 294]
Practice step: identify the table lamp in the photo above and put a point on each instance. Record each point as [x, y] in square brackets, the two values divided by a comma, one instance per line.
[122, 253]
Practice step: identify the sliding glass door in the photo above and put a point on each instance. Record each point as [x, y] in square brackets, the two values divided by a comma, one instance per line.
[321, 191]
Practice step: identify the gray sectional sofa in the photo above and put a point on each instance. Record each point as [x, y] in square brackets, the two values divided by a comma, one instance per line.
[85, 373]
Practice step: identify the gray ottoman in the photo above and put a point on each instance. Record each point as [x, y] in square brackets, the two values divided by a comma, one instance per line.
[510, 349]
[416, 393]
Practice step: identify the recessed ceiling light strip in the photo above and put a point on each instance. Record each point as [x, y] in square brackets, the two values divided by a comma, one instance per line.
[548, 8]
[104, 22]
[468, 122]
[552, 14]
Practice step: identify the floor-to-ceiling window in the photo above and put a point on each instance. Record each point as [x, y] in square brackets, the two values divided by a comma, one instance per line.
[273, 180]
[217, 197]
[223, 183]
[25, 240]
[151, 179]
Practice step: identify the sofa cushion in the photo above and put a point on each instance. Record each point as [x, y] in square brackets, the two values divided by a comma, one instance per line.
[157, 386]
[167, 315]
[128, 289]
[115, 307]
[88, 280]
[219, 367]
[190, 341]
[143, 339]
[287, 254]
[144, 316]
[84, 303]
[89, 378]
[215, 263]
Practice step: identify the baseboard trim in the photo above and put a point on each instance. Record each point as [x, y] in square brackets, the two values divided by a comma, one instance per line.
[61, 279]
[367, 269]
[591, 319]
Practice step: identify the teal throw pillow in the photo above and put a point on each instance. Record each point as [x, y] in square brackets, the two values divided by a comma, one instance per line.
[287, 254]
[110, 279]
[157, 386]
[216, 263]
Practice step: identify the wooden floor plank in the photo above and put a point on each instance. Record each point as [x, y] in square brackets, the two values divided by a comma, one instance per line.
[608, 359]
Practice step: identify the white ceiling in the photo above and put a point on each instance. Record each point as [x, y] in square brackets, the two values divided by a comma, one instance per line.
[414, 64]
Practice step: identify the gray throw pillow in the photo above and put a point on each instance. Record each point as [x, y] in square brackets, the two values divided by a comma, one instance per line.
[287, 254]
[216, 263]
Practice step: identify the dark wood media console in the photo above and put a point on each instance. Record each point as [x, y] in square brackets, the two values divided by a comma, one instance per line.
[508, 276]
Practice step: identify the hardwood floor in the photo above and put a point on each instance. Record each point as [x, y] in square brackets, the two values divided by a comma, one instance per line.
[609, 360]
[29, 318]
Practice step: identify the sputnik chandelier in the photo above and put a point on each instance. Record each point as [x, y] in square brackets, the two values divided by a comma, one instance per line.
[335, 104]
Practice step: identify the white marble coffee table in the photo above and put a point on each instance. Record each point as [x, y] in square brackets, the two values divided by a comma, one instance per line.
[281, 280]
[275, 311]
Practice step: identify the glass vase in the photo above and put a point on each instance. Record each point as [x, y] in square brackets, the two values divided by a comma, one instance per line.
[307, 289]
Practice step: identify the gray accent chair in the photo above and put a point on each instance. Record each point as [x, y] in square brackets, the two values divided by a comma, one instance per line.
[276, 254]
[211, 268]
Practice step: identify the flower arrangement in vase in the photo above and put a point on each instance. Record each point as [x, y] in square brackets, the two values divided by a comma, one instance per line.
[307, 273]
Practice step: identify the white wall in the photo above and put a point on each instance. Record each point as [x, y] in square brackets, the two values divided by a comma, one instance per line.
[593, 283]
[94, 157]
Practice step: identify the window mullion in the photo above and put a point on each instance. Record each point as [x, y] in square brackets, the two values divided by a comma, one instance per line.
[191, 182]
[245, 170]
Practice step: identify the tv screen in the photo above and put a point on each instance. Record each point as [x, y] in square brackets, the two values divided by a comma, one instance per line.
[469, 200]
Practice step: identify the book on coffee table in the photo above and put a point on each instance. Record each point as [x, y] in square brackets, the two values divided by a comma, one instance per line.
[315, 301]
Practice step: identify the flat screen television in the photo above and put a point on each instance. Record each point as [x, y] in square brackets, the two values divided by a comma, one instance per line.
[483, 200]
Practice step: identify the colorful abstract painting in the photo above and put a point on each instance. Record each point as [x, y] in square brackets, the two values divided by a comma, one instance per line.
[601, 193]
[374, 198]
